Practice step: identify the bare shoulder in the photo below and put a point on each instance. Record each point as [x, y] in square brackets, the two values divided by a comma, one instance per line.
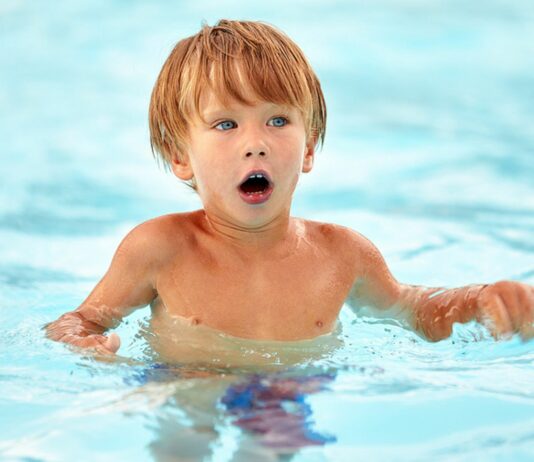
[159, 238]
[321, 229]
[349, 242]
[372, 282]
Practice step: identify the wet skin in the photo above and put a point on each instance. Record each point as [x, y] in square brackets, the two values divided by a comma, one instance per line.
[292, 292]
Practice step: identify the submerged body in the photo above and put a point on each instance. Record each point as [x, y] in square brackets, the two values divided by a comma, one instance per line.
[176, 340]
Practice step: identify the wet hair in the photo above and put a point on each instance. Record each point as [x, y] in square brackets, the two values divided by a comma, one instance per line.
[222, 57]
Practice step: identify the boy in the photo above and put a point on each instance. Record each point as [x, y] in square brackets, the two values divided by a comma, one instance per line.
[237, 113]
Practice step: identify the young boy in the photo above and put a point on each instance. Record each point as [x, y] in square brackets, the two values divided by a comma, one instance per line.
[237, 113]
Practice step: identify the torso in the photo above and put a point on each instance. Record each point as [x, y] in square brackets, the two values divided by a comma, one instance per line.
[294, 297]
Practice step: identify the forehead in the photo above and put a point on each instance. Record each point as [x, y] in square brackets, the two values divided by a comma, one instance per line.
[211, 105]
[212, 97]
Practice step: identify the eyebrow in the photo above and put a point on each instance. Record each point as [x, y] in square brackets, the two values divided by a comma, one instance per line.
[216, 114]
[225, 111]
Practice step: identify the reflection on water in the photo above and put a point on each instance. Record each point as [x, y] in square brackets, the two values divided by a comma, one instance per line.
[275, 409]
[269, 412]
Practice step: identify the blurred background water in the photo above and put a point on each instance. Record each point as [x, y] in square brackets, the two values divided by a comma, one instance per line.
[429, 153]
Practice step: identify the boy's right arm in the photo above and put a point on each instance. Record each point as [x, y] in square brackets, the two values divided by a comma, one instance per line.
[129, 283]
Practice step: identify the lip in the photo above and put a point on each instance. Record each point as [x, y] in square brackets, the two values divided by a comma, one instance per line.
[256, 198]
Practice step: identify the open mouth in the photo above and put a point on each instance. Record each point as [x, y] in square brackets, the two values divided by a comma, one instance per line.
[256, 188]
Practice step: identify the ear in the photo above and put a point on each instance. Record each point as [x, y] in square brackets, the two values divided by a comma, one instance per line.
[309, 155]
[181, 166]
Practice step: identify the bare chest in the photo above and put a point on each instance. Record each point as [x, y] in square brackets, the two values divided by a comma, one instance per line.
[294, 298]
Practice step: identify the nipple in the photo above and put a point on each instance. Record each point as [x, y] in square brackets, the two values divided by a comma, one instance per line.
[319, 323]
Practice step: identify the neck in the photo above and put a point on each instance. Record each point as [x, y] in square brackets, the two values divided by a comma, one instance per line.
[253, 240]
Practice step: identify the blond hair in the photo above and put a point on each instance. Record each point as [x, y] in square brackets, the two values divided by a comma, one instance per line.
[220, 57]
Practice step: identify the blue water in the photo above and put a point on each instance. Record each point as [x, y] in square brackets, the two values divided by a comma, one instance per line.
[429, 153]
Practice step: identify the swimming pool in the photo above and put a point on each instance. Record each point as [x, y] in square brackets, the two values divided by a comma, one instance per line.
[429, 153]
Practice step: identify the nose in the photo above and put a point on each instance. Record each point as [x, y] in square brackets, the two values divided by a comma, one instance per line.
[255, 144]
[250, 153]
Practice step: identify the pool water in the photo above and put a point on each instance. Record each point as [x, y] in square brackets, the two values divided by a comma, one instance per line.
[429, 153]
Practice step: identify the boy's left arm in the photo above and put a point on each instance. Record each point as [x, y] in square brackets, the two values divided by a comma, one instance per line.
[504, 307]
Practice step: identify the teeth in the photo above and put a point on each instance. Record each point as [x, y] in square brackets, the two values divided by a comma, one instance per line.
[257, 176]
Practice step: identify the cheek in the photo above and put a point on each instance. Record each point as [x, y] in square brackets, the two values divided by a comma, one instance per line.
[211, 180]
[299, 159]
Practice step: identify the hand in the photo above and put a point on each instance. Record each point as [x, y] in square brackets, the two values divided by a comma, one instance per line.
[507, 307]
[73, 328]
[99, 343]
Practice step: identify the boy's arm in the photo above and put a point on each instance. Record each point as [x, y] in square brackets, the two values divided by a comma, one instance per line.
[504, 307]
[128, 284]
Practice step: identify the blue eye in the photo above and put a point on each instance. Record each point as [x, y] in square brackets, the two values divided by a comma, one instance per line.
[225, 125]
[279, 121]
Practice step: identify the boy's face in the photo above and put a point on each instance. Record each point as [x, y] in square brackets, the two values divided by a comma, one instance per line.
[234, 142]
